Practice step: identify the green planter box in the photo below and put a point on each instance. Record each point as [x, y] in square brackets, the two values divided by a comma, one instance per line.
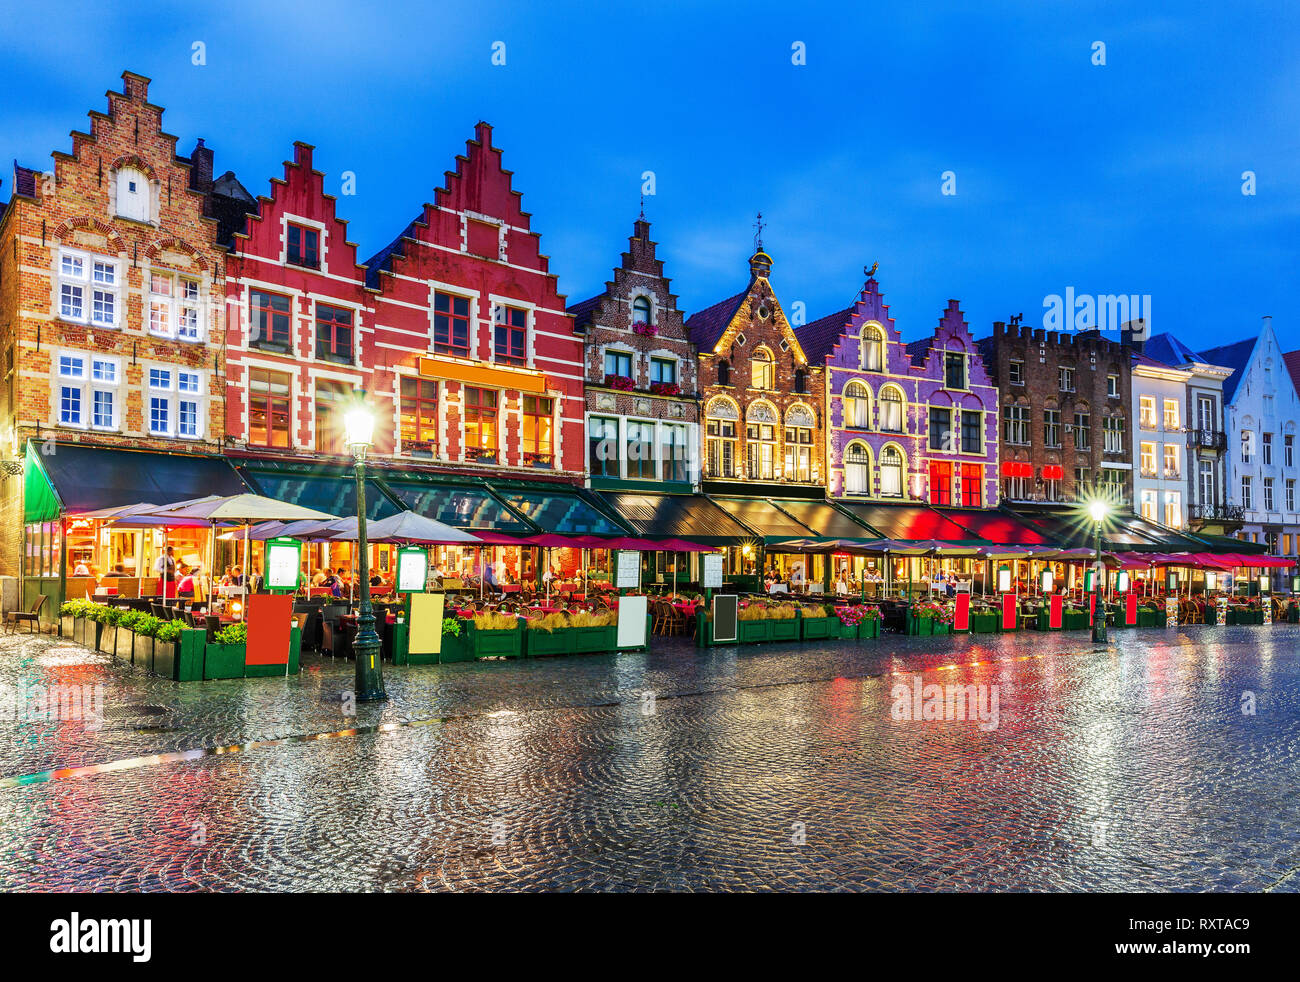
[1075, 620]
[224, 661]
[922, 626]
[142, 651]
[785, 629]
[1293, 614]
[942, 627]
[541, 643]
[456, 647]
[752, 632]
[1147, 617]
[595, 640]
[495, 644]
[188, 655]
[984, 623]
[814, 628]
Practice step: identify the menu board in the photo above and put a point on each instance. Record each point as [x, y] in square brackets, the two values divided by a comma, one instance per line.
[412, 570]
[628, 573]
[725, 616]
[711, 578]
[283, 564]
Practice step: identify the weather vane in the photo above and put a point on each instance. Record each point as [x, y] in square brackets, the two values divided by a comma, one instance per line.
[758, 233]
[643, 207]
[872, 271]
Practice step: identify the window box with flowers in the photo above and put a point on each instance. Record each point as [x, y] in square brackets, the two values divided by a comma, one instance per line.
[665, 389]
[622, 383]
[645, 330]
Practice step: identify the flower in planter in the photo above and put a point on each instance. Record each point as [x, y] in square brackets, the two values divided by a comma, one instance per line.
[665, 389]
[451, 626]
[942, 613]
[646, 330]
[621, 382]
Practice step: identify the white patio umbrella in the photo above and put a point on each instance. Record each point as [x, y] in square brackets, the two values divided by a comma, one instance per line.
[245, 510]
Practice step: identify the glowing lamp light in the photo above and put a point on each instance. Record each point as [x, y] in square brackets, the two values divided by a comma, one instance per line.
[1048, 580]
[1097, 510]
[237, 610]
[359, 428]
[1121, 581]
[1004, 580]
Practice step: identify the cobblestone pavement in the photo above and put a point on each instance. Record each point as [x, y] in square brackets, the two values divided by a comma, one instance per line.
[1126, 767]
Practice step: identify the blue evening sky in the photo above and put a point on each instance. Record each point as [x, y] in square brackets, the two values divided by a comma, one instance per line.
[1124, 178]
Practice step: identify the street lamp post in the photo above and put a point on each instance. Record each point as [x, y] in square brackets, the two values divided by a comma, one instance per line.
[359, 426]
[1098, 511]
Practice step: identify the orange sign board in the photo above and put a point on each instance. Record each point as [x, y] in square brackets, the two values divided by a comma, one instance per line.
[486, 375]
[268, 629]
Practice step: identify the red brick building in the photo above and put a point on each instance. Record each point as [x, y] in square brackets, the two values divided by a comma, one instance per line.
[642, 409]
[763, 403]
[111, 320]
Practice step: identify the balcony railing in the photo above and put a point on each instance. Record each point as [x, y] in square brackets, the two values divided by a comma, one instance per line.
[1216, 513]
[1208, 439]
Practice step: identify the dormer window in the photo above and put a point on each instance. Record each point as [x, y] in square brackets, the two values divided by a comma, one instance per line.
[763, 370]
[132, 195]
[640, 311]
[304, 246]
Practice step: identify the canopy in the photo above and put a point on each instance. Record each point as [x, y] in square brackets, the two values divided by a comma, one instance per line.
[691, 517]
[406, 526]
[245, 509]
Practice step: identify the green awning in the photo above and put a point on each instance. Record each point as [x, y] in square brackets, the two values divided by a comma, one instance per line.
[331, 490]
[763, 518]
[675, 516]
[827, 521]
[40, 500]
[465, 506]
[565, 512]
[75, 478]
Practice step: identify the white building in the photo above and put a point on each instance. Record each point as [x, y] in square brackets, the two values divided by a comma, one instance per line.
[1209, 503]
[1262, 417]
[1160, 478]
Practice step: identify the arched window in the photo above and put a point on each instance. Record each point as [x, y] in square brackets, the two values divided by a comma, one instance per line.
[857, 469]
[641, 310]
[760, 441]
[891, 409]
[857, 406]
[891, 472]
[724, 372]
[132, 195]
[871, 349]
[721, 417]
[763, 369]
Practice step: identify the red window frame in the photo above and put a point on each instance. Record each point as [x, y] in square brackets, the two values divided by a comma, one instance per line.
[448, 322]
[333, 332]
[260, 308]
[418, 415]
[940, 482]
[303, 246]
[972, 485]
[511, 341]
[269, 408]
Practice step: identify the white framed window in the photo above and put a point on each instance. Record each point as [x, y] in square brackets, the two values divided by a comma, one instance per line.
[89, 289]
[88, 391]
[132, 195]
[176, 307]
[175, 402]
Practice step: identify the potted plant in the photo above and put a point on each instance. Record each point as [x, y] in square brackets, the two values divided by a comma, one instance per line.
[752, 624]
[549, 634]
[594, 632]
[223, 657]
[494, 635]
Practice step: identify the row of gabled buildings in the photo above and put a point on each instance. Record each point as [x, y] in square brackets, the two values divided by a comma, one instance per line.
[147, 303]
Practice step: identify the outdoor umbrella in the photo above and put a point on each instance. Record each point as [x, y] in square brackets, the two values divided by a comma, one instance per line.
[406, 526]
[245, 510]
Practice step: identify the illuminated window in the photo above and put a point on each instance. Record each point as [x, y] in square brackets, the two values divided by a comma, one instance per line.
[268, 408]
[538, 438]
[857, 406]
[763, 370]
[871, 349]
[419, 415]
[481, 425]
[857, 469]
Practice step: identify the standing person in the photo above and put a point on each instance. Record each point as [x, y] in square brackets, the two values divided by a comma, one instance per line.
[165, 567]
[842, 585]
[490, 577]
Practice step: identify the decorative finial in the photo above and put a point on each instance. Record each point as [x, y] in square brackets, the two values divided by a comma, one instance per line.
[872, 271]
[1016, 319]
[758, 233]
[642, 217]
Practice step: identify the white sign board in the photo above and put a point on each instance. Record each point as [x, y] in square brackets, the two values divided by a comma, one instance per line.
[412, 570]
[282, 563]
[711, 577]
[629, 569]
[631, 621]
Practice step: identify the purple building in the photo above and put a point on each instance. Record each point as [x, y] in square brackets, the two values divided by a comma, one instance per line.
[905, 422]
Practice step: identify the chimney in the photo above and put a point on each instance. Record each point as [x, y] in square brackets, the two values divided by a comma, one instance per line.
[1134, 334]
[201, 168]
[1268, 322]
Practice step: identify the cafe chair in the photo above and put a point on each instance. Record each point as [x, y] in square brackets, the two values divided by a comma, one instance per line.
[32, 617]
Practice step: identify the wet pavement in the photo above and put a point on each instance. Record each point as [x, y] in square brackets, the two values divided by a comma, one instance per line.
[1166, 760]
